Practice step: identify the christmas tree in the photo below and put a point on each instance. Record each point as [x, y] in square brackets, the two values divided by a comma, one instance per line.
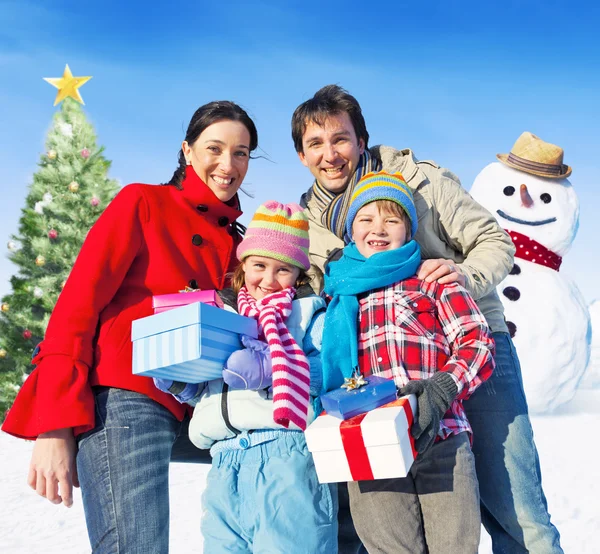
[68, 193]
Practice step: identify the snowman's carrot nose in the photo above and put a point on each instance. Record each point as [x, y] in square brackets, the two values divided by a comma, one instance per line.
[525, 198]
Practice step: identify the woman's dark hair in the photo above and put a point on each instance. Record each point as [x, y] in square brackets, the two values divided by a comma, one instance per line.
[213, 112]
[328, 101]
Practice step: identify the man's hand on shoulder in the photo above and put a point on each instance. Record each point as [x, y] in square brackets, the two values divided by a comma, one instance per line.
[441, 270]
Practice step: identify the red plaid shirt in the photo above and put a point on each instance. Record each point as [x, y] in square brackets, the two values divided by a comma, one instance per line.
[412, 329]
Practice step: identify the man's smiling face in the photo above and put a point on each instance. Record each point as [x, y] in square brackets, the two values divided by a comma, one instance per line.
[331, 151]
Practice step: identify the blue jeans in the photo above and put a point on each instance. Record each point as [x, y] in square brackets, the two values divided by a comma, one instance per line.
[123, 468]
[513, 506]
[266, 498]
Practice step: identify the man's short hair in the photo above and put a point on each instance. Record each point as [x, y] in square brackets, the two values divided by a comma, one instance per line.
[328, 101]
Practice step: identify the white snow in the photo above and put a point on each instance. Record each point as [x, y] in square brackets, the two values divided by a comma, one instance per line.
[591, 377]
[545, 306]
[566, 442]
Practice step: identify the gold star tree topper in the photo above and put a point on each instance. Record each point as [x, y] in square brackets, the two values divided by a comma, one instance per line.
[67, 86]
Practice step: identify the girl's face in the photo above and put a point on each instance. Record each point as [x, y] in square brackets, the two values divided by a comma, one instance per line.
[263, 276]
[377, 231]
[220, 157]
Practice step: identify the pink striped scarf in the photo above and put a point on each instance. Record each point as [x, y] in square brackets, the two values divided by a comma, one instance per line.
[291, 372]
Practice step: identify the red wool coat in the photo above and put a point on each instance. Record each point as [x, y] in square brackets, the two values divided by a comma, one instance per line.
[149, 240]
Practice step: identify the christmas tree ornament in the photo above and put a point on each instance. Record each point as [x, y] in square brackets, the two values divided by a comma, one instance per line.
[67, 86]
[40, 261]
[95, 201]
[47, 198]
[52, 234]
[73, 186]
[85, 153]
[27, 334]
[3, 353]
[38, 292]
[5, 307]
[51, 154]
[39, 207]
[66, 129]
[11, 245]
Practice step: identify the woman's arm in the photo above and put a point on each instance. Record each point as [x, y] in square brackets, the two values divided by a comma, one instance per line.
[57, 394]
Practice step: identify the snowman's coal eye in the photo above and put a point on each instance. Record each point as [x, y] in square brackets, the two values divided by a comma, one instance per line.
[509, 191]
[546, 198]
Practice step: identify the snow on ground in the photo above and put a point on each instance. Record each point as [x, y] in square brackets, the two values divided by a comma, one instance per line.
[567, 443]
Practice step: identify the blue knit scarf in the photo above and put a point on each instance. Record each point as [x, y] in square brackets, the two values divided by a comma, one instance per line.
[350, 276]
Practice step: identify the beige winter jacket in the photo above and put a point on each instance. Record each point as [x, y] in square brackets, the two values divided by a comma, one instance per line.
[451, 225]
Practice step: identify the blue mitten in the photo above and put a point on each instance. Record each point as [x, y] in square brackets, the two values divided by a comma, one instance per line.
[249, 368]
[181, 391]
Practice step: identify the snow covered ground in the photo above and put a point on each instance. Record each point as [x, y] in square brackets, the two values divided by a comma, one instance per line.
[567, 443]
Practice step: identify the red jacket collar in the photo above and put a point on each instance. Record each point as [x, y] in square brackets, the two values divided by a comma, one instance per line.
[197, 193]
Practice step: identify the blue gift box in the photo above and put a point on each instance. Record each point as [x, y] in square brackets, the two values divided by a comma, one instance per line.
[189, 344]
[344, 404]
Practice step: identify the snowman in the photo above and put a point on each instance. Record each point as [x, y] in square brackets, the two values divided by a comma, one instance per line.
[529, 194]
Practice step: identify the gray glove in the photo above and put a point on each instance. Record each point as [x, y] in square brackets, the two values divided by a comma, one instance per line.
[434, 397]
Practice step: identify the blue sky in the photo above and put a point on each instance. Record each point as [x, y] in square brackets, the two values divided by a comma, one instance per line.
[455, 81]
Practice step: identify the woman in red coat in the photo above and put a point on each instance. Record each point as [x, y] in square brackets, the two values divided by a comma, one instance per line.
[94, 422]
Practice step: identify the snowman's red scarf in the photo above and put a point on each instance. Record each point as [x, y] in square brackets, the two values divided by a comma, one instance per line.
[532, 251]
[291, 371]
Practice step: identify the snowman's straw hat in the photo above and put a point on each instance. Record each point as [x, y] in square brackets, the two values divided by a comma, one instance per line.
[532, 155]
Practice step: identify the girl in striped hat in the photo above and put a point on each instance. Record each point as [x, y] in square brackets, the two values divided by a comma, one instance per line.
[262, 491]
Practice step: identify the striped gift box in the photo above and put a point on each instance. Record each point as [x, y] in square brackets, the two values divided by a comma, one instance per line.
[189, 344]
[374, 445]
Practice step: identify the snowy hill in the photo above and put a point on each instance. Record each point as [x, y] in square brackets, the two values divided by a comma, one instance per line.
[566, 442]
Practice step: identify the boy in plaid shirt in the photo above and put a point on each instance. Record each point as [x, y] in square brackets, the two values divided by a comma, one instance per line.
[435, 343]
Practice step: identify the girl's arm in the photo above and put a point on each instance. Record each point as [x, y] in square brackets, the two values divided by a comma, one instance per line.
[313, 340]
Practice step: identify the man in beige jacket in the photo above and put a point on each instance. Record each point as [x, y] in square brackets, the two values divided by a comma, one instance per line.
[460, 241]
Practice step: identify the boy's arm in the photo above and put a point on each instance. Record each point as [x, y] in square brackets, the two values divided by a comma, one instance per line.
[311, 345]
[465, 327]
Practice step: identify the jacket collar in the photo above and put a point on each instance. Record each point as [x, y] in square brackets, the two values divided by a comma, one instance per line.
[403, 161]
[197, 193]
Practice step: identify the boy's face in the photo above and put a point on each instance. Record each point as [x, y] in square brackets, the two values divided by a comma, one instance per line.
[331, 151]
[375, 230]
[264, 276]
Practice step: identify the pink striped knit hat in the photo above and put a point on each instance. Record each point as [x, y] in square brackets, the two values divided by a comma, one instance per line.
[278, 231]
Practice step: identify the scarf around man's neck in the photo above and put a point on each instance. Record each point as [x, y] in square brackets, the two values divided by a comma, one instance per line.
[350, 276]
[334, 206]
[291, 371]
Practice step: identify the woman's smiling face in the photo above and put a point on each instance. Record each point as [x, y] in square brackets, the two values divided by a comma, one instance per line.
[220, 157]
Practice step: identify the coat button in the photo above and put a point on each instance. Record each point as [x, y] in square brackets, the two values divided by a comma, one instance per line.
[196, 240]
[202, 207]
[193, 284]
[222, 221]
[244, 443]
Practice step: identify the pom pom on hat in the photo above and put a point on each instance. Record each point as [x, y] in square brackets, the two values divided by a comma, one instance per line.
[278, 231]
[380, 185]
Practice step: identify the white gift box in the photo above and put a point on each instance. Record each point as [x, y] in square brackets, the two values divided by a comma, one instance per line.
[189, 344]
[374, 445]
